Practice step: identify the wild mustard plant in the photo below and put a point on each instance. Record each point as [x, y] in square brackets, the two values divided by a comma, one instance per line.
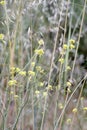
[33, 72]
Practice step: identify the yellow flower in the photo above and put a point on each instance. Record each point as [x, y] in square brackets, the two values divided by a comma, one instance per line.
[74, 110]
[12, 92]
[39, 52]
[82, 98]
[60, 105]
[41, 42]
[33, 64]
[38, 68]
[44, 94]
[72, 46]
[72, 41]
[49, 87]
[62, 52]
[16, 96]
[12, 82]
[31, 73]
[68, 121]
[17, 70]
[65, 47]
[41, 84]
[61, 60]
[1, 36]
[68, 84]
[68, 68]
[58, 86]
[37, 92]
[12, 70]
[85, 108]
[2, 2]
[23, 73]
[68, 90]
[42, 71]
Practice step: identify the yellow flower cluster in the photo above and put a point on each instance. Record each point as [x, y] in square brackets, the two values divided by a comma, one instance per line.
[61, 60]
[68, 121]
[65, 47]
[60, 105]
[17, 70]
[49, 87]
[44, 94]
[74, 110]
[16, 96]
[11, 92]
[2, 2]
[41, 84]
[23, 73]
[38, 68]
[68, 84]
[72, 41]
[68, 68]
[39, 52]
[12, 82]
[14, 70]
[31, 73]
[32, 64]
[37, 92]
[85, 108]
[72, 46]
[41, 42]
[1, 36]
